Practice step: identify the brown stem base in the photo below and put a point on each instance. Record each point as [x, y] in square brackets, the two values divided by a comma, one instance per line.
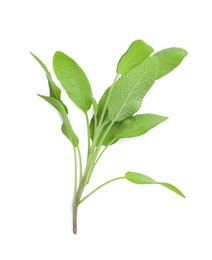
[75, 209]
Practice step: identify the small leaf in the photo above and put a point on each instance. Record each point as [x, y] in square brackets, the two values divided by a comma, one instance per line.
[100, 109]
[95, 105]
[129, 91]
[55, 92]
[91, 128]
[65, 132]
[139, 178]
[131, 127]
[138, 125]
[74, 80]
[169, 59]
[93, 124]
[102, 103]
[66, 127]
[135, 55]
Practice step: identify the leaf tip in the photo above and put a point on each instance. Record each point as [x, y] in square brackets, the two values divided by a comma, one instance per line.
[33, 55]
[165, 118]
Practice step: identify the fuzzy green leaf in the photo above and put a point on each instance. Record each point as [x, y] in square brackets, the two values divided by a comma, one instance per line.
[138, 125]
[129, 91]
[54, 90]
[169, 59]
[135, 55]
[139, 178]
[66, 127]
[74, 80]
[132, 127]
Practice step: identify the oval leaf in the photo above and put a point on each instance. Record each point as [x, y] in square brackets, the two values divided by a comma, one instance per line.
[66, 127]
[139, 178]
[135, 55]
[138, 125]
[74, 80]
[169, 59]
[129, 91]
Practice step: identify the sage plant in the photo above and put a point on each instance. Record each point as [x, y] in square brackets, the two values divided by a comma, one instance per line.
[116, 115]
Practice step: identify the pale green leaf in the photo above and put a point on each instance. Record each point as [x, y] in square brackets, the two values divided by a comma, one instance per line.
[102, 103]
[169, 59]
[135, 55]
[74, 80]
[54, 90]
[92, 122]
[65, 132]
[129, 91]
[95, 105]
[66, 127]
[91, 128]
[139, 178]
[100, 106]
[138, 125]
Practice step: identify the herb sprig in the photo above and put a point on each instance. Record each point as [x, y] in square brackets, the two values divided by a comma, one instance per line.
[115, 115]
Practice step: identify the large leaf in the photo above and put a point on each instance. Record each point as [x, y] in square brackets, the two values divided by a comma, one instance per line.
[55, 92]
[129, 91]
[139, 178]
[169, 59]
[73, 79]
[66, 127]
[131, 127]
[138, 125]
[135, 55]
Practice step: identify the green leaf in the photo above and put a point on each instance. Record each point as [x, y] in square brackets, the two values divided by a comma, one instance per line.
[135, 55]
[92, 125]
[102, 103]
[65, 132]
[95, 105]
[131, 127]
[139, 178]
[110, 137]
[130, 89]
[138, 125]
[169, 59]
[66, 127]
[100, 106]
[91, 128]
[74, 80]
[55, 92]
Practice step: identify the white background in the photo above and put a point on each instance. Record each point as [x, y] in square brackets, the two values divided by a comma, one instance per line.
[123, 220]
